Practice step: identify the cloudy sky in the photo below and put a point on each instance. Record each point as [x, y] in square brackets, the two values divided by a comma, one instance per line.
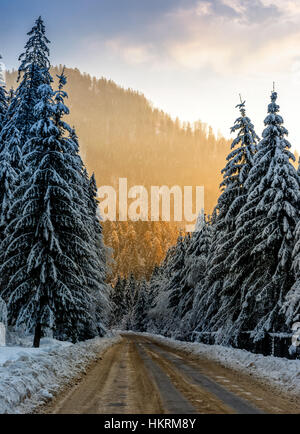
[189, 57]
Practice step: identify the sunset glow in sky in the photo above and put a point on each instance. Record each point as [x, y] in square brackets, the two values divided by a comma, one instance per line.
[191, 58]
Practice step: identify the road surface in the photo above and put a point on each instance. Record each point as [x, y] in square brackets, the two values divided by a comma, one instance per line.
[140, 376]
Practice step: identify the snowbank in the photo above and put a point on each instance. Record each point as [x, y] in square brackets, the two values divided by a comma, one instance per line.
[2, 334]
[279, 372]
[30, 376]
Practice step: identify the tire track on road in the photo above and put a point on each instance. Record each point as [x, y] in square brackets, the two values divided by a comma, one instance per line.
[173, 401]
[140, 375]
[259, 393]
[192, 376]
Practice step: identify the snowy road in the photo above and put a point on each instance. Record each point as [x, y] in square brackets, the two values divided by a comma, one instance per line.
[140, 375]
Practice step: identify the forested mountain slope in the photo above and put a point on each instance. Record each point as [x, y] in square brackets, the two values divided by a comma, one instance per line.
[122, 135]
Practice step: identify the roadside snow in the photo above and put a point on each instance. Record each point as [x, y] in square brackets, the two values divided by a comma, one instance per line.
[2, 335]
[30, 376]
[280, 372]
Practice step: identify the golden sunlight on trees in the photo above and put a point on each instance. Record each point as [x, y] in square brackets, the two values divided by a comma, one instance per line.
[123, 136]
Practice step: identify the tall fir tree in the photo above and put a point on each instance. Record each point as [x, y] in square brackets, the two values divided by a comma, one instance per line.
[10, 96]
[176, 285]
[118, 303]
[19, 118]
[264, 241]
[3, 97]
[8, 177]
[7, 155]
[94, 265]
[33, 72]
[141, 308]
[218, 300]
[164, 288]
[98, 287]
[46, 247]
[291, 307]
[196, 271]
[156, 291]
[131, 295]
[191, 276]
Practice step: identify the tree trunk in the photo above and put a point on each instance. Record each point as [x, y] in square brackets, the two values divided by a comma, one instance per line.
[37, 335]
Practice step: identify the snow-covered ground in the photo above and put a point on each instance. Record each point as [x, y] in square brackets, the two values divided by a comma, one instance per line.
[280, 372]
[30, 376]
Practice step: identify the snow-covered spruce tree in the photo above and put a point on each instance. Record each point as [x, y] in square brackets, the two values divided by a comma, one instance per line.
[46, 245]
[194, 274]
[175, 284]
[291, 306]
[3, 99]
[8, 176]
[93, 266]
[141, 308]
[10, 96]
[264, 241]
[216, 299]
[33, 72]
[131, 294]
[156, 290]
[118, 303]
[7, 154]
[183, 284]
[98, 287]
[156, 285]
[205, 301]
[160, 314]
[164, 289]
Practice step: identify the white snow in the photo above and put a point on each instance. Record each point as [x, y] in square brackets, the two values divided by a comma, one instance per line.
[279, 372]
[3, 312]
[31, 376]
[2, 334]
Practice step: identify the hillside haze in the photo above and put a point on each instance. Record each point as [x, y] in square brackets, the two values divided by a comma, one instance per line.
[122, 135]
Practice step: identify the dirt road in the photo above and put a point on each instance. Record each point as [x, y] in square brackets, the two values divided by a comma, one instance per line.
[140, 376]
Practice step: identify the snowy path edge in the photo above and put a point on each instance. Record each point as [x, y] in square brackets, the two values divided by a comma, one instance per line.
[37, 375]
[281, 373]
